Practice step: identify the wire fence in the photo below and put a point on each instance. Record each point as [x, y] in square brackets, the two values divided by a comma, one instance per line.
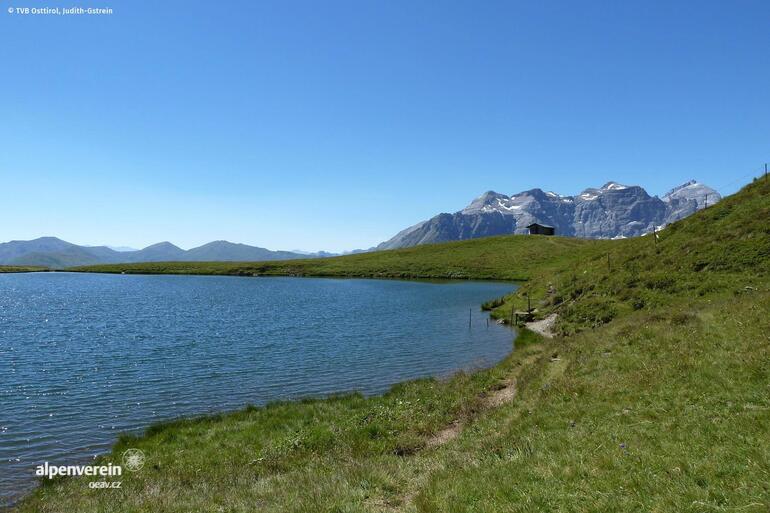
[728, 188]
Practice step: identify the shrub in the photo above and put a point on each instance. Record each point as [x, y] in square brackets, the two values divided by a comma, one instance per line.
[586, 313]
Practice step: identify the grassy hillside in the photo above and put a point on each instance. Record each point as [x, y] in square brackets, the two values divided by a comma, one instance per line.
[663, 403]
[655, 398]
[508, 257]
[720, 249]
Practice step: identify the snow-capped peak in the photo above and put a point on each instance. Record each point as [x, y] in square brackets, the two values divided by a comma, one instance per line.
[693, 190]
[611, 211]
[613, 186]
[688, 184]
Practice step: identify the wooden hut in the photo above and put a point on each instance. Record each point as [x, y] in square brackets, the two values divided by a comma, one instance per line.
[541, 229]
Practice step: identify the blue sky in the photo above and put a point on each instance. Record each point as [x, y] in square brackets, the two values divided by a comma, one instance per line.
[332, 125]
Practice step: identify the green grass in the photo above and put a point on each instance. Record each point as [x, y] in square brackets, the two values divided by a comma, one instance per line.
[506, 258]
[655, 398]
[256, 457]
[725, 247]
[20, 269]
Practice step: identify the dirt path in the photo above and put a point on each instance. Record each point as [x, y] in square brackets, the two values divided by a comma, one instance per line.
[505, 394]
[543, 327]
[447, 434]
[497, 398]
[493, 400]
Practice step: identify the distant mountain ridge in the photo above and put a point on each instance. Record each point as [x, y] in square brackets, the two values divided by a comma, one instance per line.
[613, 210]
[58, 254]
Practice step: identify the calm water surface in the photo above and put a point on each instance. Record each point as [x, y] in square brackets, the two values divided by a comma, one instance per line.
[84, 357]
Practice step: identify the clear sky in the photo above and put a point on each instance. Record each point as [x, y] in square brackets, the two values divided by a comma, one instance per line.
[332, 125]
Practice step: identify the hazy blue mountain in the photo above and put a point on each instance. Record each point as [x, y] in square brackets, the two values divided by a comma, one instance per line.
[16, 248]
[58, 254]
[160, 252]
[52, 252]
[610, 211]
[320, 254]
[222, 250]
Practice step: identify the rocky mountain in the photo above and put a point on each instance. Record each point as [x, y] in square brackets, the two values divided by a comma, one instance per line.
[610, 211]
[687, 198]
[58, 254]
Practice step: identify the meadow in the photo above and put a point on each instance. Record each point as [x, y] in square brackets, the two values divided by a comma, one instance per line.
[498, 258]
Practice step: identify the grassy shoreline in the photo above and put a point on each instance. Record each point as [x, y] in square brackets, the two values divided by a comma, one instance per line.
[653, 398]
[510, 258]
[398, 422]
[22, 269]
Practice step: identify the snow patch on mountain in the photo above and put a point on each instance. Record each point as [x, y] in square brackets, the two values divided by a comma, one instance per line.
[613, 210]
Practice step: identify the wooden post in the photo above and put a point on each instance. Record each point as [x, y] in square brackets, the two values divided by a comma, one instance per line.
[654, 235]
[706, 204]
[529, 305]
